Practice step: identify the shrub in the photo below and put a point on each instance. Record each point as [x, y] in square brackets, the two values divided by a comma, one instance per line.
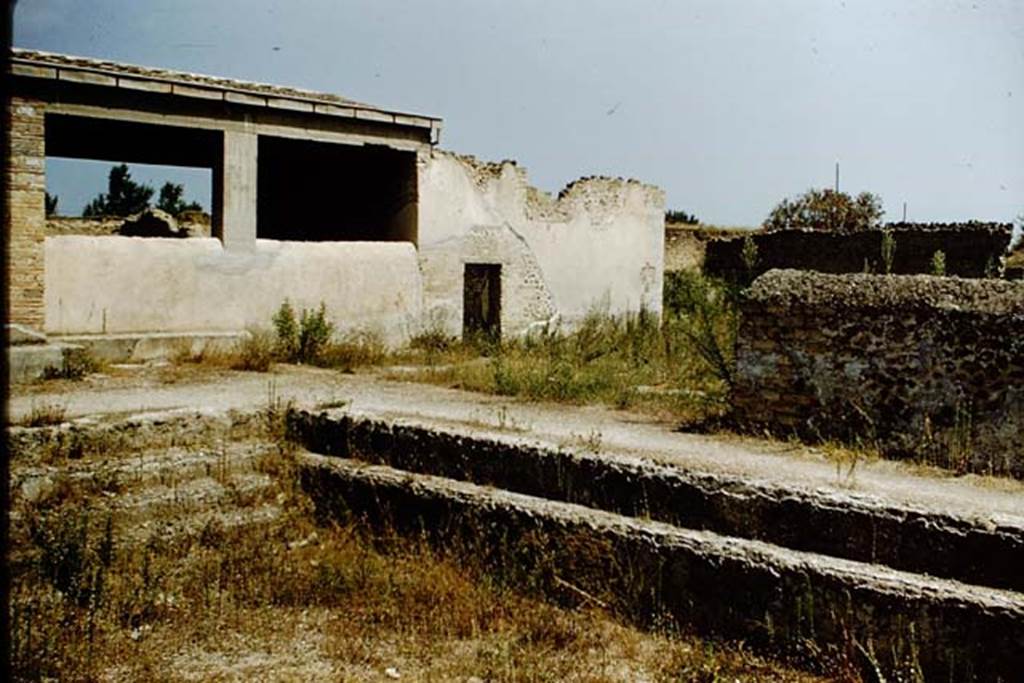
[938, 265]
[704, 313]
[315, 331]
[353, 350]
[672, 216]
[749, 255]
[888, 251]
[75, 364]
[305, 341]
[256, 352]
[827, 210]
[287, 331]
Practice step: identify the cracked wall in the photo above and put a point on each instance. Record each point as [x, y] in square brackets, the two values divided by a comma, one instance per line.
[600, 243]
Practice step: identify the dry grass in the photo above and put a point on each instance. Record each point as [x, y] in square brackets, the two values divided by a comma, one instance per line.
[44, 414]
[367, 604]
[291, 600]
[677, 369]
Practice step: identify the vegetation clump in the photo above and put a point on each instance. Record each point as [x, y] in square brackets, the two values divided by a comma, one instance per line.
[828, 211]
[76, 363]
[305, 340]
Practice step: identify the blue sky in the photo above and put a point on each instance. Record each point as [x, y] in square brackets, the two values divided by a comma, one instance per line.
[727, 105]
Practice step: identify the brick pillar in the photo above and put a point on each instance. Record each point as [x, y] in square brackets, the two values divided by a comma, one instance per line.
[235, 191]
[25, 229]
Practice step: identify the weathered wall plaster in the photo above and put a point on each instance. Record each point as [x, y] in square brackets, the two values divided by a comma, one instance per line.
[112, 284]
[926, 367]
[599, 244]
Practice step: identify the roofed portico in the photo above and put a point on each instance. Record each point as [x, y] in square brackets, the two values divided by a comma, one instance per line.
[93, 109]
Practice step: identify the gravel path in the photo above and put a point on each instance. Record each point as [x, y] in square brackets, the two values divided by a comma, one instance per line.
[998, 500]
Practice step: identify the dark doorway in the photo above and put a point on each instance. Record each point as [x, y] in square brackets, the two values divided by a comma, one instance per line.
[481, 302]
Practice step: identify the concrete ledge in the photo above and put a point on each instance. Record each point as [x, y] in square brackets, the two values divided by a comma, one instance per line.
[27, 362]
[121, 348]
[778, 600]
[848, 525]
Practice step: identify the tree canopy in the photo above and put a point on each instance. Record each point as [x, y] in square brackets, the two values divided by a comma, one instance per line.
[171, 200]
[123, 197]
[827, 210]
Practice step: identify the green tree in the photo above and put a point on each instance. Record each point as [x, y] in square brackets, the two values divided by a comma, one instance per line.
[51, 204]
[673, 216]
[123, 197]
[827, 210]
[171, 200]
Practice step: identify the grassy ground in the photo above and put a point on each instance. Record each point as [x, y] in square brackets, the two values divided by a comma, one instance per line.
[680, 368]
[291, 600]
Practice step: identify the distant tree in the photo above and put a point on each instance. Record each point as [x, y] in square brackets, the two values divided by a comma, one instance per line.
[172, 202]
[827, 210]
[51, 204]
[672, 216]
[123, 197]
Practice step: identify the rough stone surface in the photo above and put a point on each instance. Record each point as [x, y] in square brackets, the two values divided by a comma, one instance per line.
[842, 524]
[24, 229]
[971, 250]
[189, 224]
[926, 367]
[774, 598]
[29, 361]
[151, 223]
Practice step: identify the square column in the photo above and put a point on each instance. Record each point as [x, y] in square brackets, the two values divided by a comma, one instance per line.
[234, 191]
[25, 220]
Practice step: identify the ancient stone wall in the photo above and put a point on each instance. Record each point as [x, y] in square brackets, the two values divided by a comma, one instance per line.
[684, 248]
[925, 367]
[971, 250]
[78, 225]
[24, 229]
[600, 243]
[189, 224]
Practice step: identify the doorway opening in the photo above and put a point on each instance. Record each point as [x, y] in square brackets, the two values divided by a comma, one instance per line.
[481, 302]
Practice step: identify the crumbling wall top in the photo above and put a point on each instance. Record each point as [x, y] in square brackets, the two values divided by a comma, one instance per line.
[794, 288]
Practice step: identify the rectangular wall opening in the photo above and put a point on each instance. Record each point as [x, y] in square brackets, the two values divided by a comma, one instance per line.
[81, 153]
[317, 191]
[481, 302]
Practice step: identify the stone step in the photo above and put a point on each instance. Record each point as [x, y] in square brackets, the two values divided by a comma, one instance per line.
[125, 435]
[842, 524]
[154, 467]
[784, 601]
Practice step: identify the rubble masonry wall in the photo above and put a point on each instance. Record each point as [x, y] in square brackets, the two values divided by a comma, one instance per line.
[927, 367]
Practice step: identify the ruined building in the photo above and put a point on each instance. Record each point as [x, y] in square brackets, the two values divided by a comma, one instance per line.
[315, 198]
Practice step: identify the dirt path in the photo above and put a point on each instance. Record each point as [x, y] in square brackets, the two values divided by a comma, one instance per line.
[997, 500]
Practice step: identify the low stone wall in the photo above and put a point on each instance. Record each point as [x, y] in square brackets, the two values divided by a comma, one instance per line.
[111, 285]
[926, 367]
[971, 250]
[818, 610]
[191, 223]
[838, 524]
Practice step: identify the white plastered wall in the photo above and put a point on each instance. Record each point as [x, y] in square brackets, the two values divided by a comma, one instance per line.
[599, 244]
[113, 285]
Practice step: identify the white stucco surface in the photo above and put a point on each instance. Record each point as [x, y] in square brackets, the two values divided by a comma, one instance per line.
[600, 244]
[109, 285]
